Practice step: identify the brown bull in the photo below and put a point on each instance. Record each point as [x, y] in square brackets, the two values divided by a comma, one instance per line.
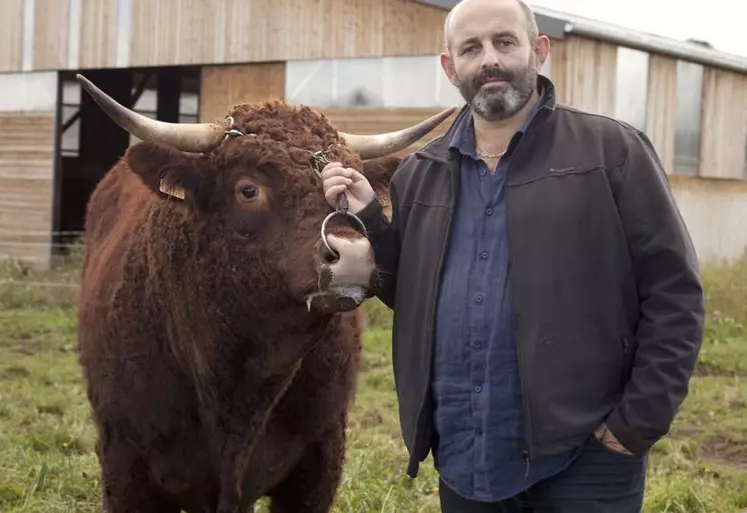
[218, 332]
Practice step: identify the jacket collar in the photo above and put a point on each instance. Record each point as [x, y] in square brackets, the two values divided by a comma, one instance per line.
[439, 148]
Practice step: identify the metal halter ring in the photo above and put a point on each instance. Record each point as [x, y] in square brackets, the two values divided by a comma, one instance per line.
[339, 213]
[234, 131]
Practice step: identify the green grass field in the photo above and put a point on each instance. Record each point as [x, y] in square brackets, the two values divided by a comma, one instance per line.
[47, 463]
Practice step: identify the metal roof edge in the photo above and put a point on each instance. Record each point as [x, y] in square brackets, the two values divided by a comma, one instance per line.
[644, 41]
[557, 24]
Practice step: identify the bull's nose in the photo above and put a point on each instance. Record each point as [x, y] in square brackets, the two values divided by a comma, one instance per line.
[350, 261]
[327, 256]
[345, 250]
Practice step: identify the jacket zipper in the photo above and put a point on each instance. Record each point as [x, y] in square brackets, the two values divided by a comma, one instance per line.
[526, 453]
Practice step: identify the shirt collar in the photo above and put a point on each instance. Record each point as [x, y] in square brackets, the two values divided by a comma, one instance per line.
[463, 138]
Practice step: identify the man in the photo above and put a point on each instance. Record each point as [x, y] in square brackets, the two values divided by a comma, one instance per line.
[549, 309]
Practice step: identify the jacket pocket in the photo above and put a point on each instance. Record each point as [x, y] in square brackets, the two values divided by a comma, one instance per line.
[555, 172]
[597, 445]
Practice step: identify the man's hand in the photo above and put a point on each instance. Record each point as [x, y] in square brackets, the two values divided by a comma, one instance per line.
[605, 436]
[337, 180]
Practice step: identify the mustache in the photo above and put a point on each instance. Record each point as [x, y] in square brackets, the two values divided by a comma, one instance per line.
[491, 74]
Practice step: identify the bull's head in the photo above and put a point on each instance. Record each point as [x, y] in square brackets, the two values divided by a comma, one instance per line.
[248, 191]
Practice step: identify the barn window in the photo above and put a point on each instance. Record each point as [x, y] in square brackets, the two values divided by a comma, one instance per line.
[390, 82]
[632, 86]
[688, 117]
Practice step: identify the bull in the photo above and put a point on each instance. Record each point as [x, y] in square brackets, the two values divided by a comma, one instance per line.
[218, 331]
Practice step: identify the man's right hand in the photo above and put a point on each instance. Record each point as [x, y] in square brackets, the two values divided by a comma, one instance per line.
[337, 180]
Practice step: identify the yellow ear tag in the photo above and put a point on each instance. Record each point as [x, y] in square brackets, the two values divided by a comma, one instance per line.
[172, 190]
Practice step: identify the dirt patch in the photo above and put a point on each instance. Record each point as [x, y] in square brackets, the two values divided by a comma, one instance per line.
[370, 418]
[725, 450]
[368, 365]
[22, 343]
[14, 372]
[710, 369]
[28, 347]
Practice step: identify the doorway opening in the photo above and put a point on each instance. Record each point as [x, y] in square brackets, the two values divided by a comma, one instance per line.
[90, 143]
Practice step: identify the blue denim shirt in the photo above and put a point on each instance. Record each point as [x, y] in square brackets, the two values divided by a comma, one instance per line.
[478, 412]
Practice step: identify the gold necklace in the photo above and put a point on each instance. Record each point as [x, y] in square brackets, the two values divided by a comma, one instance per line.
[488, 155]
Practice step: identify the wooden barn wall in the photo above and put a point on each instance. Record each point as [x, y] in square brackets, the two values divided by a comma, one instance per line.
[215, 31]
[27, 157]
[99, 34]
[224, 86]
[52, 34]
[584, 73]
[73, 34]
[378, 120]
[11, 35]
[661, 107]
[724, 128]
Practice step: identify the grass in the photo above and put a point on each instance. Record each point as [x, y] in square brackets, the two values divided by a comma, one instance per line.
[47, 463]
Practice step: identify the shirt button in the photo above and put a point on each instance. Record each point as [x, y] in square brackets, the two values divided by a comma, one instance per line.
[478, 298]
[484, 255]
[477, 343]
[478, 389]
[489, 211]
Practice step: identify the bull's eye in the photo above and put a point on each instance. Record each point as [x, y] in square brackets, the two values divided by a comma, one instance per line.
[246, 192]
[249, 192]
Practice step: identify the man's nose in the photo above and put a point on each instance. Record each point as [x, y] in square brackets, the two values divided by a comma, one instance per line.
[491, 58]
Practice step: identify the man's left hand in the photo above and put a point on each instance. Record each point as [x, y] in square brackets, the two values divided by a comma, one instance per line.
[606, 436]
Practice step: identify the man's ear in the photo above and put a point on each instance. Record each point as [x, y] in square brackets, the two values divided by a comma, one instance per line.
[170, 173]
[379, 172]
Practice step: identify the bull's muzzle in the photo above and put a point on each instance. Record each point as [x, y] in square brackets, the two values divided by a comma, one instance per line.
[345, 265]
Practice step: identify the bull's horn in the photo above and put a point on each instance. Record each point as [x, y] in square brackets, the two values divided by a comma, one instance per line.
[379, 145]
[190, 137]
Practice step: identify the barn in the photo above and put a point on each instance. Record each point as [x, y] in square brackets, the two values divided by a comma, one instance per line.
[369, 65]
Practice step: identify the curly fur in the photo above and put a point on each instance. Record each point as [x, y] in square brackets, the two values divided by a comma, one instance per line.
[210, 383]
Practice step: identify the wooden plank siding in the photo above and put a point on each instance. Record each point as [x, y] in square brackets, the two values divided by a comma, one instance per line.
[182, 32]
[27, 185]
[98, 34]
[584, 73]
[378, 120]
[51, 34]
[272, 30]
[11, 35]
[661, 106]
[224, 86]
[724, 125]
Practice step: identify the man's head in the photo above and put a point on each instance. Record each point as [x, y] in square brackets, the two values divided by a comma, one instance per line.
[493, 55]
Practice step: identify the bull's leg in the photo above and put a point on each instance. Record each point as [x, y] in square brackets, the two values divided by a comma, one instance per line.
[312, 485]
[125, 482]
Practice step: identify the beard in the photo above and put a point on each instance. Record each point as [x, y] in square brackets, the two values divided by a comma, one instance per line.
[499, 101]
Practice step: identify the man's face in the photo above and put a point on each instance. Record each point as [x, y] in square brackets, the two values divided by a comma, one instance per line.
[491, 59]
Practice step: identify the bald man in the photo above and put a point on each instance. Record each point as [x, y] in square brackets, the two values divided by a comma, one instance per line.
[548, 304]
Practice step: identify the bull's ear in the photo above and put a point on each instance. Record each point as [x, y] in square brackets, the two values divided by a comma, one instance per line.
[168, 172]
[379, 172]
